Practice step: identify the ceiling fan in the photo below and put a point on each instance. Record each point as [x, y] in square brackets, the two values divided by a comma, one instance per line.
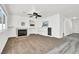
[34, 14]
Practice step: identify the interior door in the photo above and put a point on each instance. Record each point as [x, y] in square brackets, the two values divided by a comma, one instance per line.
[67, 27]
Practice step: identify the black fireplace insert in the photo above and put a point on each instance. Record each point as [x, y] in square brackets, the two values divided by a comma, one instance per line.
[22, 32]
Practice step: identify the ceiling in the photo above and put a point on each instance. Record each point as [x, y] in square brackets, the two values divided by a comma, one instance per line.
[68, 10]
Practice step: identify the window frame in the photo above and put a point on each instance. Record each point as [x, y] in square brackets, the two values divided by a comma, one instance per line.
[4, 15]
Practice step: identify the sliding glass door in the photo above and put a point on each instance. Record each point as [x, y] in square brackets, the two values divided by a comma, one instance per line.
[0, 20]
[3, 22]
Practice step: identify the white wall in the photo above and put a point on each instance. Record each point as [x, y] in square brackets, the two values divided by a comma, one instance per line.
[3, 39]
[75, 26]
[54, 23]
[15, 22]
[67, 26]
[58, 23]
[61, 25]
[56, 26]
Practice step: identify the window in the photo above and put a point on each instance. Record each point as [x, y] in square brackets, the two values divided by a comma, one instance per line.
[4, 23]
[2, 20]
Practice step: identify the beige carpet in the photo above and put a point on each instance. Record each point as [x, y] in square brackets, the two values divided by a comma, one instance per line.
[33, 44]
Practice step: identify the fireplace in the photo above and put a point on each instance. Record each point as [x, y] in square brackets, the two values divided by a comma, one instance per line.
[22, 32]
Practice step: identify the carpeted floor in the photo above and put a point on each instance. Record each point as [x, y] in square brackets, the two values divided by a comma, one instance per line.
[33, 44]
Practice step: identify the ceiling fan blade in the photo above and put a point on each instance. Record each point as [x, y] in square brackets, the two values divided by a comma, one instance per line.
[36, 17]
[35, 14]
[39, 15]
[29, 14]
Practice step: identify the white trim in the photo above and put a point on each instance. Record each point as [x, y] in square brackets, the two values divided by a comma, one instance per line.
[3, 11]
[5, 19]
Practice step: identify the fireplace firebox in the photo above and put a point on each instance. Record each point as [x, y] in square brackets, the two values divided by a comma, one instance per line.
[22, 32]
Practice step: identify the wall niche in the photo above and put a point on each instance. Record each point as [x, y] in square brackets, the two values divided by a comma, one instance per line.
[32, 22]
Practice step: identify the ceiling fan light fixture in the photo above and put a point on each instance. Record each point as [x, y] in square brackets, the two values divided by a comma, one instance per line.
[36, 15]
